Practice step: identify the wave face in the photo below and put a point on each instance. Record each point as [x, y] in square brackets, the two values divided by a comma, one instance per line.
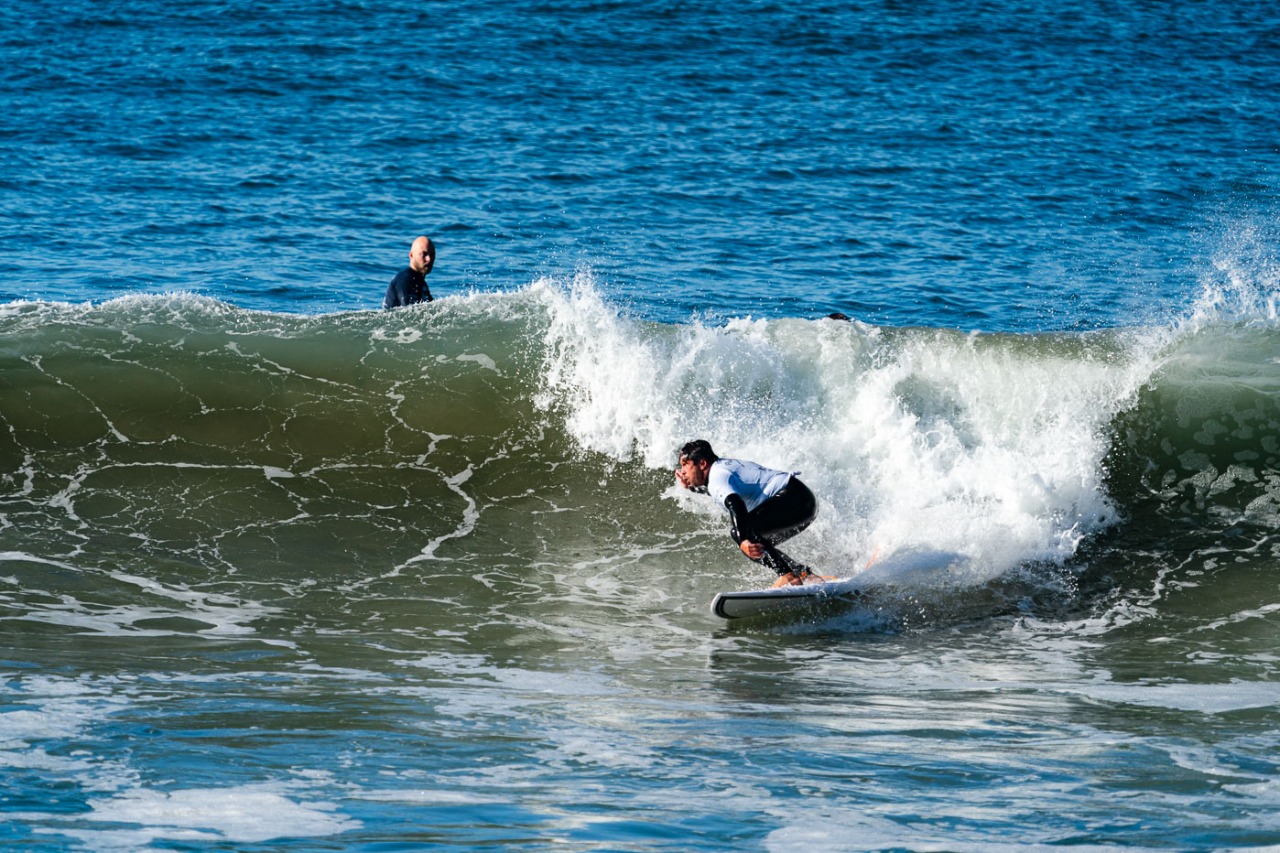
[501, 432]
[435, 557]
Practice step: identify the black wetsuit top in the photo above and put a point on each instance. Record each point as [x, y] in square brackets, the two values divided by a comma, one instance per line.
[409, 287]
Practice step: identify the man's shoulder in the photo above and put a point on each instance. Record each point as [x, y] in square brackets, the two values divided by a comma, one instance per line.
[744, 471]
[728, 467]
[721, 474]
[399, 290]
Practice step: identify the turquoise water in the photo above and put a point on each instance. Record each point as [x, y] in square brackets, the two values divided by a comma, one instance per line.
[280, 571]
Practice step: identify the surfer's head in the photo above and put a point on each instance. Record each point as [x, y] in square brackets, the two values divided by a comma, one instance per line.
[698, 450]
[694, 463]
[422, 255]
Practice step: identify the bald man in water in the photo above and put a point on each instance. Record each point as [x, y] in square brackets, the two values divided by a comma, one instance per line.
[410, 284]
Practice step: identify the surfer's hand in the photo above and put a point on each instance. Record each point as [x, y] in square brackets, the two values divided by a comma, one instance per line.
[751, 549]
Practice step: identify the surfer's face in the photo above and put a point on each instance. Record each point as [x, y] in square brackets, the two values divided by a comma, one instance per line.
[422, 256]
[692, 475]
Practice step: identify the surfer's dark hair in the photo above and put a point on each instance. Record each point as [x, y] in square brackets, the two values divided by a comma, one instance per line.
[698, 450]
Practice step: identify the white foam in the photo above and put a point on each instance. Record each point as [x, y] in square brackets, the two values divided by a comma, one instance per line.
[247, 814]
[66, 710]
[989, 448]
[480, 359]
[1201, 698]
[220, 615]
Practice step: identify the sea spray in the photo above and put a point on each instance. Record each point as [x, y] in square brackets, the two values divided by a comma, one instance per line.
[987, 446]
[1201, 445]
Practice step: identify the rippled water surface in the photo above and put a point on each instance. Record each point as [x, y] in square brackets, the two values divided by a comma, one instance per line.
[281, 571]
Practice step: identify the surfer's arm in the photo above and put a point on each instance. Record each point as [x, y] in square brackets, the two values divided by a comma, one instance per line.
[395, 296]
[741, 529]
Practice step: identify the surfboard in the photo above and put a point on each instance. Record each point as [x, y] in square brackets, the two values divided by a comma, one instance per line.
[785, 600]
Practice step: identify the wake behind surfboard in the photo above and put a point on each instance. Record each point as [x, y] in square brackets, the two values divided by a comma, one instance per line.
[786, 600]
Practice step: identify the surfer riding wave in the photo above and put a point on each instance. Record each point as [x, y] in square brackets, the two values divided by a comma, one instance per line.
[766, 506]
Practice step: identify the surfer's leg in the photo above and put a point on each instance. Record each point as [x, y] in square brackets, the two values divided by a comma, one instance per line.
[788, 568]
[777, 520]
[778, 561]
[785, 514]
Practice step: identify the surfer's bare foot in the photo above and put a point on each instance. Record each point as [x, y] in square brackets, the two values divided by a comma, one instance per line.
[789, 579]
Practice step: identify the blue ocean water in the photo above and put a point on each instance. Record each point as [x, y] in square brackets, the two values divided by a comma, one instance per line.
[1050, 166]
[282, 571]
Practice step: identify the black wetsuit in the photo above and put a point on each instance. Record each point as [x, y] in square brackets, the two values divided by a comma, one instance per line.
[776, 520]
[409, 287]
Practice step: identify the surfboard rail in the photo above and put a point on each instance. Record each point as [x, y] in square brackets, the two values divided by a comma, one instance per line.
[785, 599]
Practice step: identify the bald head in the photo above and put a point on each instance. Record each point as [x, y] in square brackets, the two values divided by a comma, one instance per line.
[422, 255]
